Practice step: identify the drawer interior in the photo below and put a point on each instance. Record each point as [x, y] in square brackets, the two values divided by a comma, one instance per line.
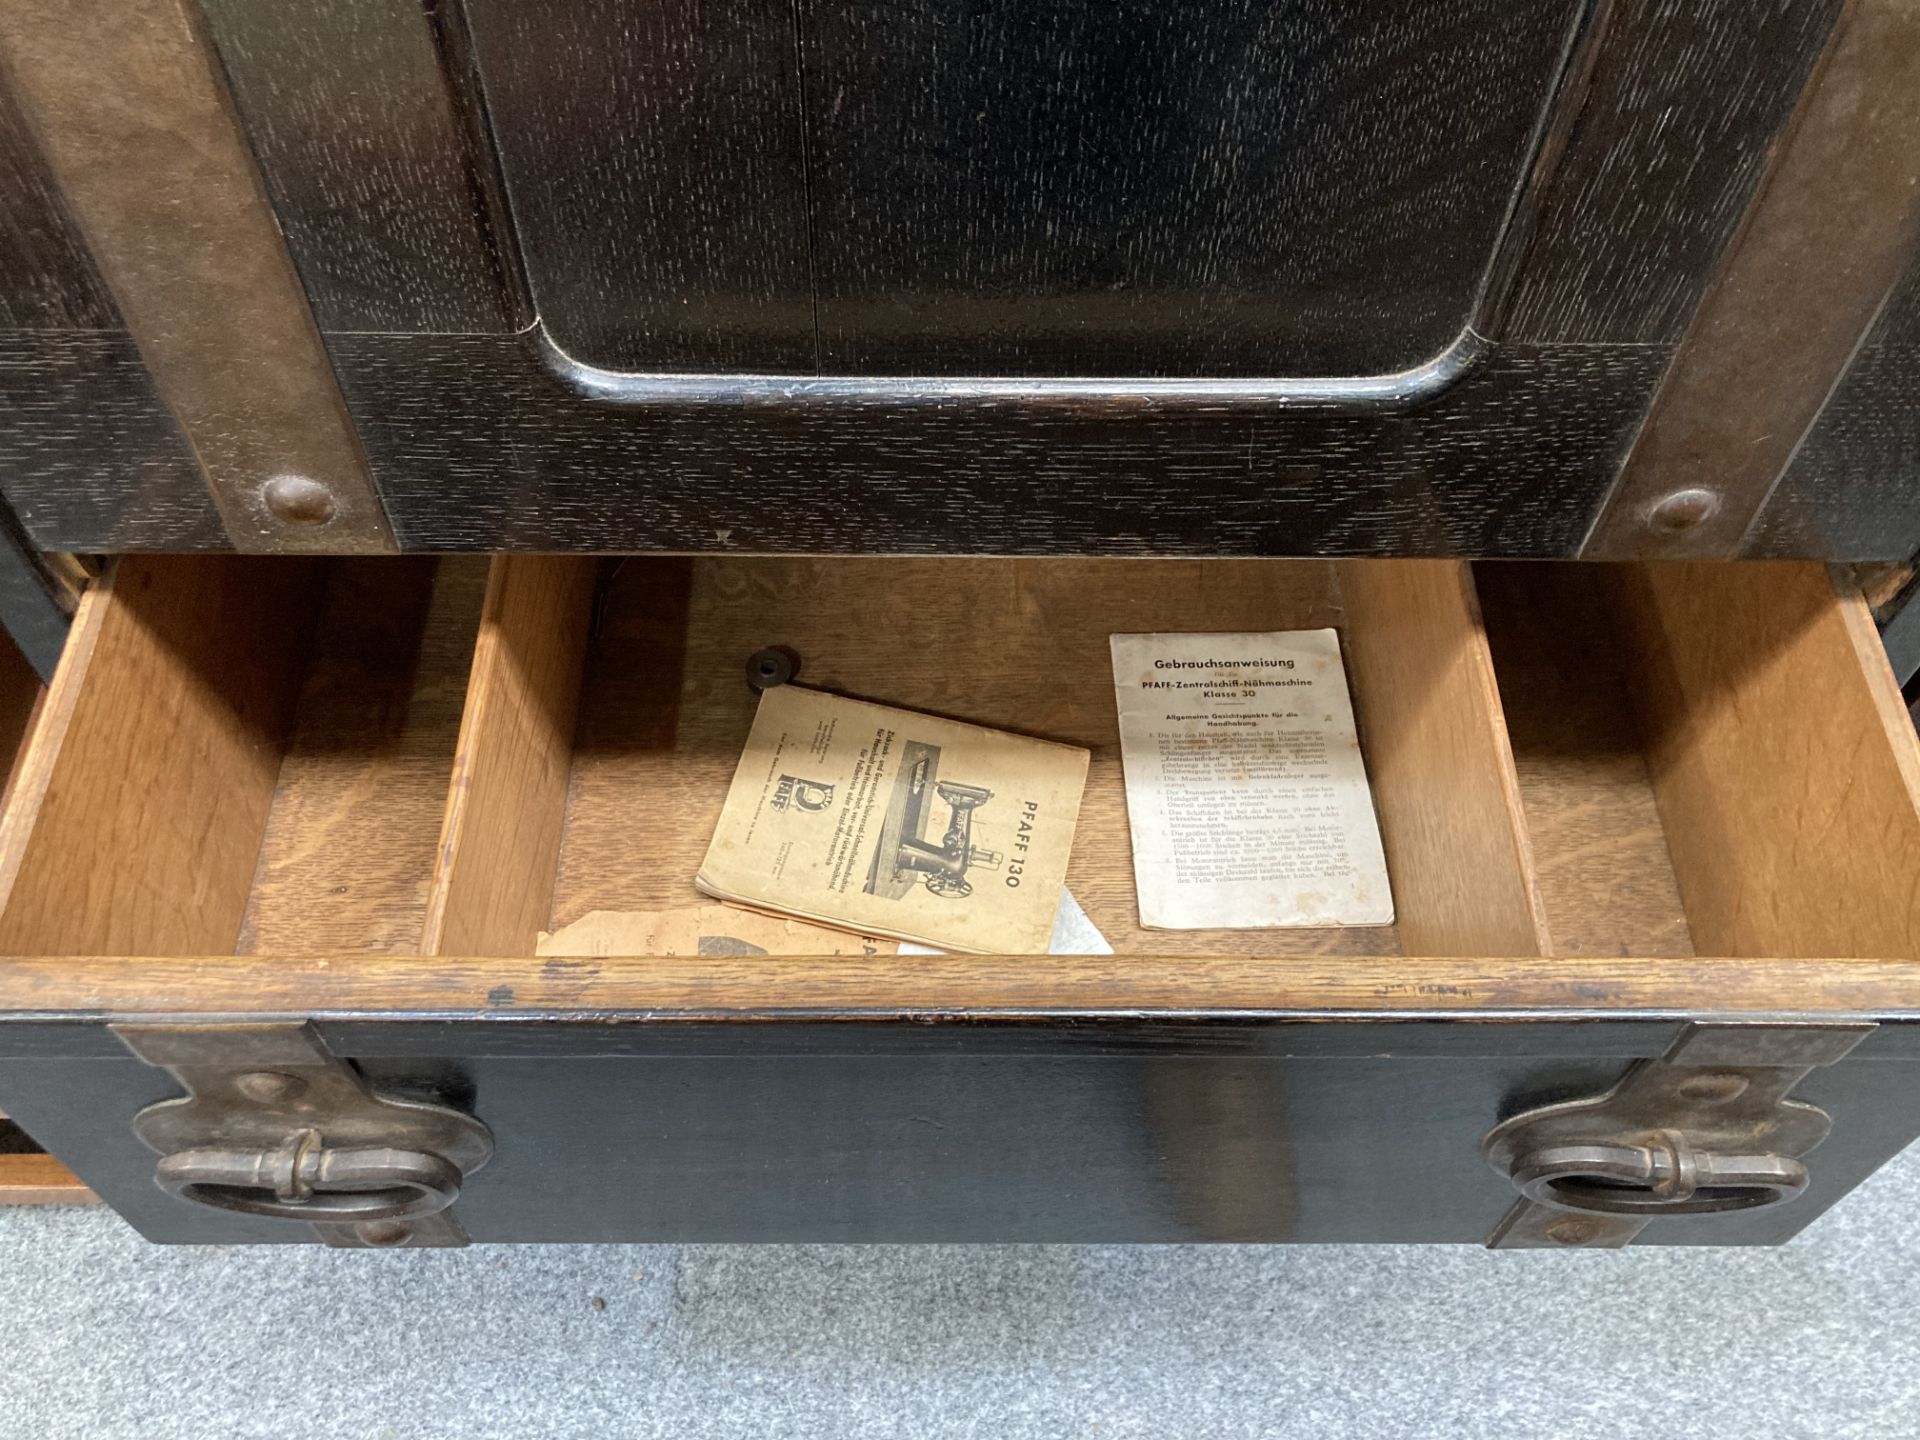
[446, 757]
[1713, 759]
[663, 711]
[243, 755]
[1600, 851]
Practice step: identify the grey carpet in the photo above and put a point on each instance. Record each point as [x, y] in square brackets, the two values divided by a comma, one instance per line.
[104, 1336]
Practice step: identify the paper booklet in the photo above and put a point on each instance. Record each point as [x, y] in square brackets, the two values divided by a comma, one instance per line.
[897, 824]
[1246, 794]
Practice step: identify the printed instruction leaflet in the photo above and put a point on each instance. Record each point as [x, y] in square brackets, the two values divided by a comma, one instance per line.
[1246, 793]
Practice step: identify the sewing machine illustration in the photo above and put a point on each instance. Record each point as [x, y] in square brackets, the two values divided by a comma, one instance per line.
[905, 855]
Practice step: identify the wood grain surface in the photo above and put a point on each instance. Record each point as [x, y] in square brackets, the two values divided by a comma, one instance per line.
[1784, 760]
[154, 782]
[349, 844]
[1461, 859]
[500, 838]
[90, 457]
[128, 103]
[47, 279]
[1133, 188]
[137, 815]
[1605, 877]
[20, 696]
[658, 175]
[40, 1180]
[1776, 331]
[1838, 496]
[478, 449]
[1020, 645]
[952, 988]
[355, 114]
[1684, 105]
[478, 446]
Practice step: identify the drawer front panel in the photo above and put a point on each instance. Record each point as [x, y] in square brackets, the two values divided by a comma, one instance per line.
[1355, 1132]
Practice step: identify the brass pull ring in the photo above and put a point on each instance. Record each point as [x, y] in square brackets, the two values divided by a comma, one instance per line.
[304, 1179]
[1665, 1176]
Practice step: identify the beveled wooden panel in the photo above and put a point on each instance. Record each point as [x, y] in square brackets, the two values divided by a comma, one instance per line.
[1308, 187]
[479, 447]
[655, 160]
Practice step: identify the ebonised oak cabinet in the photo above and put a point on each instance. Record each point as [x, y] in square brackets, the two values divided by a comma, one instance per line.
[1652, 824]
[353, 333]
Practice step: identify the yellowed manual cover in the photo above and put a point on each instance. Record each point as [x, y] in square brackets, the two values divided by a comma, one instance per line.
[899, 824]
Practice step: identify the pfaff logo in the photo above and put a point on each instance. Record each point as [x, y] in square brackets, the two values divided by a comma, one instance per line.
[796, 794]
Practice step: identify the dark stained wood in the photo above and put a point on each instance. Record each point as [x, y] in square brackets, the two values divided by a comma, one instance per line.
[477, 451]
[481, 447]
[1133, 188]
[655, 161]
[1778, 329]
[363, 141]
[132, 113]
[90, 458]
[1262, 1132]
[1845, 492]
[1686, 100]
[47, 279]
[20, 697]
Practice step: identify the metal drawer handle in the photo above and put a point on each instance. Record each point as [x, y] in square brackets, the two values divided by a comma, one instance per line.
[305, 1179]
[1666, 1176]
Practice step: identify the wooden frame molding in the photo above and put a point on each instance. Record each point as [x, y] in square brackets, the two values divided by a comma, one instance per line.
[933, 988]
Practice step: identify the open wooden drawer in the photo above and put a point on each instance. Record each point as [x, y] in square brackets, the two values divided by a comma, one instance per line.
[284, 835]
